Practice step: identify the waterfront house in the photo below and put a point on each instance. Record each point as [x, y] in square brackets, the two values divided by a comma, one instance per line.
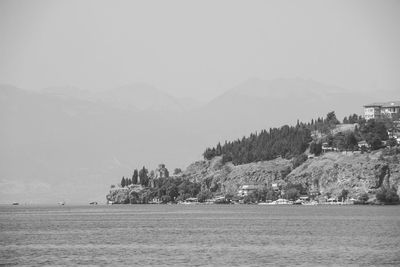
[326, 147]
[275, 187]
[192, 200]
[362, 144]
[247, 189]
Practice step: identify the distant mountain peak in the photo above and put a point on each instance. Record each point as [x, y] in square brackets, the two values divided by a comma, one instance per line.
[68, 91]
[141, 96]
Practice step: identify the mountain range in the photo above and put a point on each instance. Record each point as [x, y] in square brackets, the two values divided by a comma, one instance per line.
[69, 144]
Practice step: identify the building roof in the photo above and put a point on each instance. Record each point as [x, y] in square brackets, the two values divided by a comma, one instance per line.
[384, 104]
[374, 105]
[391, 104]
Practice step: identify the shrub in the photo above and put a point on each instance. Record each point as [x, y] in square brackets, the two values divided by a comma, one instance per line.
[300, 159]
[271, 195]
[363, 197]
[204, 195]
[249, 199]
[387, 196]
[284, 172]
[392, 142]
[166, 199]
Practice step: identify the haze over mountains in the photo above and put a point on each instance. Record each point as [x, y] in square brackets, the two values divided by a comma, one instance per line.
[66, 143]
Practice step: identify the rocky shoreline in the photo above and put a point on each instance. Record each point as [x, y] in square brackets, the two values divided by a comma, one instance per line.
[361, 175]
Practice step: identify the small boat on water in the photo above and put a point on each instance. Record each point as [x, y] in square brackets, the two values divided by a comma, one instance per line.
[15, 203]
[298, 202]
[61, 203]
[310, 203]
[93, 203]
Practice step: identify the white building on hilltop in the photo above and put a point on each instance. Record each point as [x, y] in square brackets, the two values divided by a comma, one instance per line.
[382, 109]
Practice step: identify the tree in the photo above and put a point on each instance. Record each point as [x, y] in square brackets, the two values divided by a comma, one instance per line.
[171, 189]
[271, 195]
[375, 142]
[286, 142]
[374, 132]
[144, 179]
[204, 195]
[209, 153]
[316, 148]
[339, 141]
[343, 195]
[355, 118]
[123, 182]
[177, 171]
[331, 118]
[350, 141]
[135, 177]
[292, 194]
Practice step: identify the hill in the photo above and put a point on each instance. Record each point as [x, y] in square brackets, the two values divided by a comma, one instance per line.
[328, 174]
[355, 172]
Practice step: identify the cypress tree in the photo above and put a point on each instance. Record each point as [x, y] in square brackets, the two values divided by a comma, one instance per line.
[135, 177]
[144, 180]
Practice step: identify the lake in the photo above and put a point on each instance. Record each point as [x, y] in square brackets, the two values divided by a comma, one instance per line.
[200, 235]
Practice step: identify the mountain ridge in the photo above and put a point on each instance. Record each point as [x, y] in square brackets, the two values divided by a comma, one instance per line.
[48, 139]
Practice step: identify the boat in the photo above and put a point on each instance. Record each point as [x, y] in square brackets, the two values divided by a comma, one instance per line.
[61, 203]
[93, 203]
[310, 203]
[298, 202]
[15, 203]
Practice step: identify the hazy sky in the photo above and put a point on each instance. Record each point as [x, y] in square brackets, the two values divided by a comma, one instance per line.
[198, 48]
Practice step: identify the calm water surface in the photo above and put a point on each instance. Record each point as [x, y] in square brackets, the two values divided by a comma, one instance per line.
[185, 235]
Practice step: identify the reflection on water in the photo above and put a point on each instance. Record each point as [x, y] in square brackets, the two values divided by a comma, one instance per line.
[230, 235]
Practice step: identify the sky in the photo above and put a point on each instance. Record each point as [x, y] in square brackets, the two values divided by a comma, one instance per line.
[198, 49]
